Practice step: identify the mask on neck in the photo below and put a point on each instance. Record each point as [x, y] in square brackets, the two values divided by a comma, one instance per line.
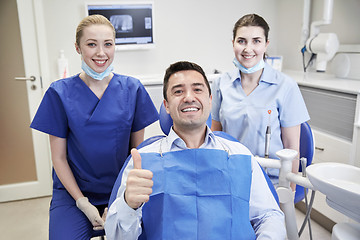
[253, 69]
[95, 75]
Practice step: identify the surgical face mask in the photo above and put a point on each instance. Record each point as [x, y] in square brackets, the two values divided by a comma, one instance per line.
[253, 69]
[95, 75]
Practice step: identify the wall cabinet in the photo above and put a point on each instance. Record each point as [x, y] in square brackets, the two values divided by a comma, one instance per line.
[333, 105]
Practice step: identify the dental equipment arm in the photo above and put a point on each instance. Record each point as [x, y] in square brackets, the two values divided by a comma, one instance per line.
[324, 45]
[267, 141]
[286, 196]
[307, 205]
[286, 177]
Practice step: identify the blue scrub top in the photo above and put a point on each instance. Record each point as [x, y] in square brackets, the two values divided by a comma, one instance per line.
[97, 130]
[247, 117]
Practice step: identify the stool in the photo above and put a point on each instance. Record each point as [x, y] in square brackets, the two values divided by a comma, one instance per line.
[100, 233]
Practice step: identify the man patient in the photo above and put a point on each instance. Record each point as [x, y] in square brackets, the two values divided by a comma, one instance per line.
[193, 183]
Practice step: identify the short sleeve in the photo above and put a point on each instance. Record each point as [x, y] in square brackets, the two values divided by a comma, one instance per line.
[51, 117]
[145, 111]
[293, 110]
[216, 100]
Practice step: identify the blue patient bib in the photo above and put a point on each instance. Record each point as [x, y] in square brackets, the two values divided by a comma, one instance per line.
[198, 194]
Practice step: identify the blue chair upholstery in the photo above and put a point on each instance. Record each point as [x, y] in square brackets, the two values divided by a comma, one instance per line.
[307, 149]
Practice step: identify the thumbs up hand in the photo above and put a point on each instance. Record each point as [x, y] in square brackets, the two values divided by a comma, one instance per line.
[139, 183]
[136, 158]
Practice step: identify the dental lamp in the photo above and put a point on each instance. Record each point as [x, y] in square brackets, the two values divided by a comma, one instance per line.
[325, 46]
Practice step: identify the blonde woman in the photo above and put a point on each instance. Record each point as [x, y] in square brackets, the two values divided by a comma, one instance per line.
[93, 119]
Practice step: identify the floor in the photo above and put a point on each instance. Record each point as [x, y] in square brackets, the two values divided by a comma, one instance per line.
[28, 220]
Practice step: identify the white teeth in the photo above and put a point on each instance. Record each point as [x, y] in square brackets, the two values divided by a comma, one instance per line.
[189, 109]
[248, 56]
[100, 62]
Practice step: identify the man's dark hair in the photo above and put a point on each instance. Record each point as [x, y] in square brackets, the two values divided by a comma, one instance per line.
[182, 66]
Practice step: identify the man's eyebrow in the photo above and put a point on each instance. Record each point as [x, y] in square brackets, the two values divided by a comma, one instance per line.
[177, 86]
[198, 84]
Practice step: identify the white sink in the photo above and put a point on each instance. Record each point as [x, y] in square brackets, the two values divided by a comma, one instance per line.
[341, 185]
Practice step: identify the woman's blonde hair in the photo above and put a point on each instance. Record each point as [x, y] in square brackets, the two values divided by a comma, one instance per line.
[91, 20]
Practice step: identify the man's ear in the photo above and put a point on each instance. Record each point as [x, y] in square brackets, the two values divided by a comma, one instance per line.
[210, 102]
[166, 105]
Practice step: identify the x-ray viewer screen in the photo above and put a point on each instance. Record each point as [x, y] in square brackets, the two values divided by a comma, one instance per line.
[133, 23]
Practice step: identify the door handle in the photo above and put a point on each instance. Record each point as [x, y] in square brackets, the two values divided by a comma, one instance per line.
[319, 148]
[32, 78]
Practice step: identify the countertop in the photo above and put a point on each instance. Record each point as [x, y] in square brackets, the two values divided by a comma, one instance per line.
[157, 79]
[309, 79]
[325, 81]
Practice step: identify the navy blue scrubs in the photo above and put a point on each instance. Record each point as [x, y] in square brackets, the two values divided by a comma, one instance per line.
[97, 133]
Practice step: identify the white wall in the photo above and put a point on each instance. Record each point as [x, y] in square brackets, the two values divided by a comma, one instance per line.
[345, 23]
[199, 31]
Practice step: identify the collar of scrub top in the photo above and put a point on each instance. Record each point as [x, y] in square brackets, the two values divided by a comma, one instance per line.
[267, 76]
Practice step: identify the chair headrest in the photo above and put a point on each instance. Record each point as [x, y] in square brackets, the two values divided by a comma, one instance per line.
[307, 145]
[166, 121]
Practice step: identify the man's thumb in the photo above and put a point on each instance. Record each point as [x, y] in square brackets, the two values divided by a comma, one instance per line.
[136, 158]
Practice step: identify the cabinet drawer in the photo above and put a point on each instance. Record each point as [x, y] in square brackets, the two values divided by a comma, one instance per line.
[330, 111]
[333, 149]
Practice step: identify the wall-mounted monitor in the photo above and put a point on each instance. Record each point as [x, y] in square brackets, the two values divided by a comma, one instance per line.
[133, 23]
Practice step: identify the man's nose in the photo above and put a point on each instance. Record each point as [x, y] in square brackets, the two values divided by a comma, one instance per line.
[189, 96]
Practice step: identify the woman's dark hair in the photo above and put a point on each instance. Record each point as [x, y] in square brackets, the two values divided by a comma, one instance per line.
[251, 20]
[182, 66]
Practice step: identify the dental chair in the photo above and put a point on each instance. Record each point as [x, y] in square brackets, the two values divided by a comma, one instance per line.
[306, 154]
[307, 149]
[166, 123]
